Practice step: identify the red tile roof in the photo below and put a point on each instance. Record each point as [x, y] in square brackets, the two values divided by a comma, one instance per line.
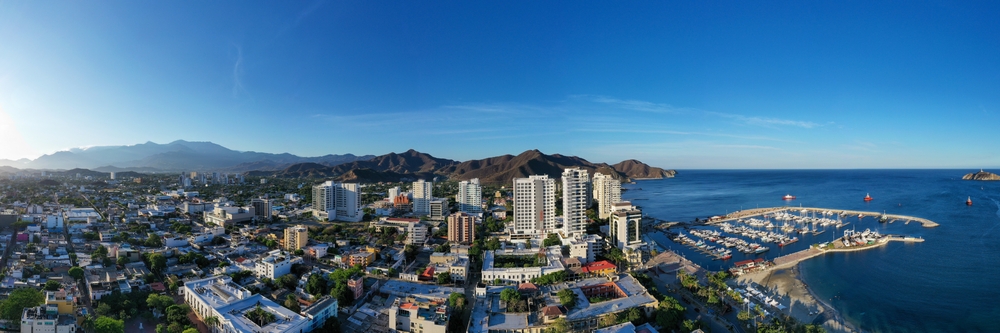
[598, 266]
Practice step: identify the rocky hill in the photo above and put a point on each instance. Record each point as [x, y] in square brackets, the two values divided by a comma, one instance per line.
[981, 175]
[412, 165]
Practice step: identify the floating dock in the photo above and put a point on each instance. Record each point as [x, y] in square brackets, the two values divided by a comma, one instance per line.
[762, 211]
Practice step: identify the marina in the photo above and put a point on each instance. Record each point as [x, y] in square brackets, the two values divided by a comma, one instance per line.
[883, 217]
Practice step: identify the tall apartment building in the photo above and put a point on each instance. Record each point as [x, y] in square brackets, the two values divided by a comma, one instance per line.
[607, 191]
[576, 194]
[337, 201]
[261, 208]
[461, 228]
[296, 238]
[393, 193]
[625, 227]
[534, 205]
[470, 196]
[422, 196]
[439, 208]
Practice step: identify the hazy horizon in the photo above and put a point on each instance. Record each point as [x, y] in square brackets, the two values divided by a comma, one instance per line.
[696, 86]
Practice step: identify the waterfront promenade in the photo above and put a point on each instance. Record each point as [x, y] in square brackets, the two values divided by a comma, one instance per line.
[813, 210]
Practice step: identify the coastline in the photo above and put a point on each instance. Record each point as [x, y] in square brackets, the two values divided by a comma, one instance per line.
[803, 303]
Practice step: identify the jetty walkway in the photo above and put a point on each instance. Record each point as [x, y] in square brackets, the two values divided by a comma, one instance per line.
[791, 259]
[762, 211]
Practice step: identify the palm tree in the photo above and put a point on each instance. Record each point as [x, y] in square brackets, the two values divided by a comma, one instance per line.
[212, 322]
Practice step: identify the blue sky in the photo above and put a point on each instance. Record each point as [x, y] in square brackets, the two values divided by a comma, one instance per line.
[693, 84]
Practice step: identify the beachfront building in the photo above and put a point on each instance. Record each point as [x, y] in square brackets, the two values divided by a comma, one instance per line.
[470, 196]
[534, 205]
[238, 310]
[337, 201]
[461, 228]
[625, 226]
[296, 238]
[422, 196]
[607, 191]
[576, 200]
[512, 266]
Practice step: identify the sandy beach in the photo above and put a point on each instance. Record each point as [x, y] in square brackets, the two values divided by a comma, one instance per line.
[802, 304]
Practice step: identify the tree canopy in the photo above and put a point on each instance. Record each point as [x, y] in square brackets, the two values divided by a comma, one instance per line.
[12, 307]
[110, 325]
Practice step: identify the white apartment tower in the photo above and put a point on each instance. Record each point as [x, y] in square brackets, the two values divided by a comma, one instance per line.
[607, 191]
[337, 201]
[422, 196]
[576, 196]
[470, 196]
[625, 225]
[534, 205]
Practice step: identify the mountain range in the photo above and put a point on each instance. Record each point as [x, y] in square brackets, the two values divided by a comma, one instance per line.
[176, 156]
[206, 156]
[411, 165]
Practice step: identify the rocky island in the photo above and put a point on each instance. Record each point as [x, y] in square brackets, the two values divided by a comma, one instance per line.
[981, 175]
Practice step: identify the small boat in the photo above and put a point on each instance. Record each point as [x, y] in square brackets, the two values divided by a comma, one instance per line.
[868, 198]
[968, 202]
[788, 197]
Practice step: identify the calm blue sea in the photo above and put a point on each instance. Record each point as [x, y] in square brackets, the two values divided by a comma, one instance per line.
[950, 283]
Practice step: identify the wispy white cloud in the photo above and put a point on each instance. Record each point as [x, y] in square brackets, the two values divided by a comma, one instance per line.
[238, 87]
[765, 121]
[747, 147]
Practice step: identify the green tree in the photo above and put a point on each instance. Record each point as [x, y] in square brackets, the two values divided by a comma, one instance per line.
[76, 272]
[510, 295]
[567, 298]
[560, 325]
[110, 325]
[743, 315]
[191, 330]
[12, 307]
[52, 285]
[292, 303]
[444, 278]
[456, 301]
[157, 262]
[493, 244]
[123, 260]
[551, 240]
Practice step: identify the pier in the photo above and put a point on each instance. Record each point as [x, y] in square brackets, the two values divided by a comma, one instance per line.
[762, 211]
[790, 260]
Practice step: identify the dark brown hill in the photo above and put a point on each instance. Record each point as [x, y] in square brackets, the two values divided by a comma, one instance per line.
[494, 170]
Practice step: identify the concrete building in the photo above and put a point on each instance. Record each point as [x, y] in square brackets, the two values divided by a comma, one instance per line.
[513, 275]
[439, 209]
[392, 193]
[625, 227]
[296, 238]
[199, 207]
[576, 196]
[416, 232]
[224, 216]
[607, 191]
[337, 201]
[276, 264]
[461, 228]
[219, 297]
[47, 319]
[470, 196]
[586, 248]
[261, 209]
[357, 286]
[534, 205]
[418, 315]
[422, 196]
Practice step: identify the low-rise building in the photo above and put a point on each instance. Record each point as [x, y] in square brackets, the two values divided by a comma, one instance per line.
[418, 315]
[275, 264]
[47, 319]
[238, 310]
[507, 266]
[223, 216]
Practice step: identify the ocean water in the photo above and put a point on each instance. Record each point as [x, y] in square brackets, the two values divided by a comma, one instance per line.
[949, 283]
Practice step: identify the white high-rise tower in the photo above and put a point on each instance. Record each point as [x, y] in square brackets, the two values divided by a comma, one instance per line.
[576, 195]
[422, 196]
[534, 205]
[607, 191]
[470, 196]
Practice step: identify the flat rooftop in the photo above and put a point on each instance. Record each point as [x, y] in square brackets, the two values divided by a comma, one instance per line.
[404, 289]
